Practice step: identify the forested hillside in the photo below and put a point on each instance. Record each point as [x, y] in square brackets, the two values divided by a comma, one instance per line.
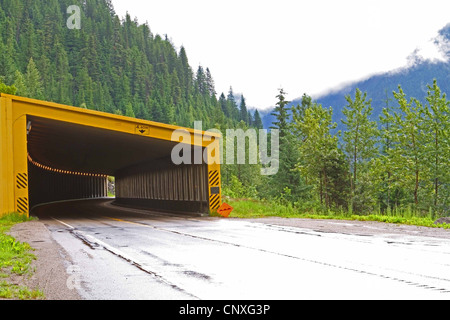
[110, 64]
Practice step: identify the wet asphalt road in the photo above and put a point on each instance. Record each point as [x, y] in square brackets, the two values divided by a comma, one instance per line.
[120, 253]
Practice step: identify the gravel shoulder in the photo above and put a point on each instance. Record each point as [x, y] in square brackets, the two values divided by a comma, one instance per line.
[50, 274]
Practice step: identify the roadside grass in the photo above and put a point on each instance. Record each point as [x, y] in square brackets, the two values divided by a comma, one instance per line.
[15, 260]
[13, 291]
[250, 208]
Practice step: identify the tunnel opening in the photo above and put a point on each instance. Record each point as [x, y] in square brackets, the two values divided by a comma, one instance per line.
[69, 161]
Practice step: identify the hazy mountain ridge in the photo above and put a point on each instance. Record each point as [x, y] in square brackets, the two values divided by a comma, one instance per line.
[413, 79]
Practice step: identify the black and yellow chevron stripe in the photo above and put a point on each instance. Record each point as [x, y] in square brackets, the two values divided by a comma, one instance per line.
[214, 184]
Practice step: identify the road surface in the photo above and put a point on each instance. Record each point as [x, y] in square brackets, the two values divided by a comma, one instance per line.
[121, 253]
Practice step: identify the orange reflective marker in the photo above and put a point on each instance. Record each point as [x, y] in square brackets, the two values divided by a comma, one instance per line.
[225, 210]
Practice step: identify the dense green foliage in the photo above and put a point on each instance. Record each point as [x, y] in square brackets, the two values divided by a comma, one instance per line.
[15, 258]
[399, 162]
[109, 64]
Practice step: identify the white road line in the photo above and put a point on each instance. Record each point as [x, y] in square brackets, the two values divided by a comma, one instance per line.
[120, 254]
[63, 223]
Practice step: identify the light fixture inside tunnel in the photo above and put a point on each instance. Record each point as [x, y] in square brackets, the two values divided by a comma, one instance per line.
[44, 167]
[29, 125]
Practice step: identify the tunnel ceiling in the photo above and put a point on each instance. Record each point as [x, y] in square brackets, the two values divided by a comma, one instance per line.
[78, 148]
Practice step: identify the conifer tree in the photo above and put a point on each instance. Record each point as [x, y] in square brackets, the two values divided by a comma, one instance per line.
[409, 139]
[281, 114]
[287, 181]
[232, 105]
[32, 81]
[437, 120]
[243, 111]
[223, 104]
[384, 166]
[257, 122]
[360, 139]
[210, 83]
[129, 112]
[321, 162]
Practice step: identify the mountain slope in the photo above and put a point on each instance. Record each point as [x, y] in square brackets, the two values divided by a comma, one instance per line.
[413, 79]
[108, 64]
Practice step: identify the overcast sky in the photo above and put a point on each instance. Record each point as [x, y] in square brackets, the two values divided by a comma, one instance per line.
[258, 46]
